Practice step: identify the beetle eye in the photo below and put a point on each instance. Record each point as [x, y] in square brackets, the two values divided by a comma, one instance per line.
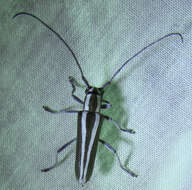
[87, 90]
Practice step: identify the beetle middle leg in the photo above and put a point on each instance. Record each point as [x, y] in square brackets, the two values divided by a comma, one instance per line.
[48, 109]
[109, 147]
[58, 151]
[116, 124]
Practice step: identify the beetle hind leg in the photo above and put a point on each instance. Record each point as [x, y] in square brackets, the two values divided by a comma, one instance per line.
[58, 151]
[109, 147]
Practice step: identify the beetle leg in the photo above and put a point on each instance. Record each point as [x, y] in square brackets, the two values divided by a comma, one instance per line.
[48, 109]
[58, 151]
[116, 124]
[73, 82]
[106, 105]
[109, 147]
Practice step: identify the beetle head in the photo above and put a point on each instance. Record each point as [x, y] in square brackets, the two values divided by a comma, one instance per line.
[94, 90]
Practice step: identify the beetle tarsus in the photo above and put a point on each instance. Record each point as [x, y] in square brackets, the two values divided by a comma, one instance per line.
[45, 170]
[46, 108]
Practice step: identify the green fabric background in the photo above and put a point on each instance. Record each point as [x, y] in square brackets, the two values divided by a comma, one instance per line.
[152, 94]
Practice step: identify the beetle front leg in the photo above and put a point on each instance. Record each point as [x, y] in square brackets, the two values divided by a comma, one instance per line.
[109, 147]
[58, 151]
[107, 105]
[72, 82]
[116, 124]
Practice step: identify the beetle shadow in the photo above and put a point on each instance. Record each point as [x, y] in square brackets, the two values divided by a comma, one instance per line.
[109, 132]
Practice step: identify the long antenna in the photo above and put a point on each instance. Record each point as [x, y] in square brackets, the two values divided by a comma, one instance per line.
[114, 75]
[58, 35]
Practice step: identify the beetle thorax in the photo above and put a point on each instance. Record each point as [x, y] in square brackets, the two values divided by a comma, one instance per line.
[93, 98]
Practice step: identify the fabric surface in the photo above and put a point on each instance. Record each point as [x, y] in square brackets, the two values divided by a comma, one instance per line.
[151, 95]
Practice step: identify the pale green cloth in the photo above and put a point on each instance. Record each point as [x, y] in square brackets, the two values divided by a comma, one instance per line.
[152, 94]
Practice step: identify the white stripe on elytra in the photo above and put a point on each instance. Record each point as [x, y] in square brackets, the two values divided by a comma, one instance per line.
[83, 136]
[87, 100]
[93, 134]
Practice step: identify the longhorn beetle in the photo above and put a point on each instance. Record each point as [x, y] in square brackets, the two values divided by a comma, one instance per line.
[90, 119]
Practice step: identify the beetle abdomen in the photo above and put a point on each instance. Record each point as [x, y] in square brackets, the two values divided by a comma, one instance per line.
[88, 130]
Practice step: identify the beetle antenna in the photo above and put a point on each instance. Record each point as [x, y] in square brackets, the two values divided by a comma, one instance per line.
[59, 36]
[114, 75]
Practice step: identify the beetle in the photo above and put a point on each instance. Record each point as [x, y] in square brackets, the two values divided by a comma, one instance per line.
[89, 120]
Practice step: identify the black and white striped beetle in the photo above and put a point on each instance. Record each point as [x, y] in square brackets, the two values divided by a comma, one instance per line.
[90, 119]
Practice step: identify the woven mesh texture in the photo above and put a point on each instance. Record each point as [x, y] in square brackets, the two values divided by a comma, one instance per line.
[151, 95]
